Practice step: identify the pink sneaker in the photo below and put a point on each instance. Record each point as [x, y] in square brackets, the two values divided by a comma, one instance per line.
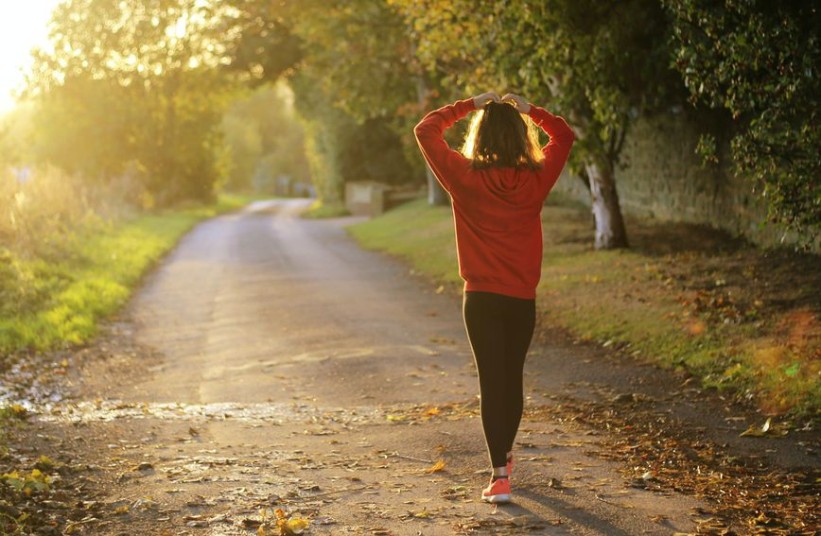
[497, 492]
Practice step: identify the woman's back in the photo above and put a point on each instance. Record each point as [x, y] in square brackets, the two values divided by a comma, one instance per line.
[496, 207]
[498, 185]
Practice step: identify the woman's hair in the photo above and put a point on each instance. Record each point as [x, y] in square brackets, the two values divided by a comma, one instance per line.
[500, 137]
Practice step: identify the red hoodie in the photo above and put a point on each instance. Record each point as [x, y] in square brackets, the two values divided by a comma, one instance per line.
[496, 211]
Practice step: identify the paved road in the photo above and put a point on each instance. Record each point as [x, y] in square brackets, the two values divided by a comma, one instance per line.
[253, 301]
[279, 365]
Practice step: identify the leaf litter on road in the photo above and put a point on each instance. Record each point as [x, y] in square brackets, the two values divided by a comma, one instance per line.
[436, 467]
[766, 429]
[655, 458]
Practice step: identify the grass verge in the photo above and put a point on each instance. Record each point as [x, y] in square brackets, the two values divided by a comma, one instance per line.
[56, 297]
[319, 210]
[738, 318]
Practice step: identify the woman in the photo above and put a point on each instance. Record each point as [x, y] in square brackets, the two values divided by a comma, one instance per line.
[498, 184]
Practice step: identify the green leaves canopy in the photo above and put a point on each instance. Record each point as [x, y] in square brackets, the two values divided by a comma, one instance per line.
[599, 63]
[760, 61]
[130, 87]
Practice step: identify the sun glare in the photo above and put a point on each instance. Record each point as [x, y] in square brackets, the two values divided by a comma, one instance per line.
[23, 26]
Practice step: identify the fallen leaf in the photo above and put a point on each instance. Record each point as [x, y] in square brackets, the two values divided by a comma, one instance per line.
[455, 492]
[436, 467]
[294, 526]
[768, 428]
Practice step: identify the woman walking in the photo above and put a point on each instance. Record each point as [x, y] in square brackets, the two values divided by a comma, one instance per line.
[498, 184]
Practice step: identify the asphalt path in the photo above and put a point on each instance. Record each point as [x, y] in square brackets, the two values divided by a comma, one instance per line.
[279, 365]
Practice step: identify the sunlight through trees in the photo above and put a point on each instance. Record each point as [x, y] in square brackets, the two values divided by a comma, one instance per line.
[139, 91]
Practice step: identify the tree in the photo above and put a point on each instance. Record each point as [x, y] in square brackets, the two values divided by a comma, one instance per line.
[760, 61]
[258, 41]
[131, 85]
[265, 139]
[372, 151]
[15, 135]
[357, 57]
[437, 65]
[325, 125]
[72, 120]
[354, 83]
[601, 64]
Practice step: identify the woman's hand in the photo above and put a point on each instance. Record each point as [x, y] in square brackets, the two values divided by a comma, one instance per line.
[480, 100]
[518, 102]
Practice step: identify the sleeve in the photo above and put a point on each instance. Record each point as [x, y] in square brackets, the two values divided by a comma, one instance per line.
[446, 163]
[557, 149]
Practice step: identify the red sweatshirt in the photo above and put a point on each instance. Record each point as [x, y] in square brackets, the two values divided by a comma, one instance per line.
[496, 211]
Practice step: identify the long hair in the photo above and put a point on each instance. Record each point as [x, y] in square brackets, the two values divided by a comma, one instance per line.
[499, 136]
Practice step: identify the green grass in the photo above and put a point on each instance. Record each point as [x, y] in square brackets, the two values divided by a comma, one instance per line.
[57, 297]
[54, 292]
[420, 234]
[319, 210]
[640, 301]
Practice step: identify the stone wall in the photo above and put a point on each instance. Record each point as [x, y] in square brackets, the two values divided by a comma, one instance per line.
[663, 178]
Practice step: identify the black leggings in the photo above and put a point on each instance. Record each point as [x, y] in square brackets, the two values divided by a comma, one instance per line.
[499, 329]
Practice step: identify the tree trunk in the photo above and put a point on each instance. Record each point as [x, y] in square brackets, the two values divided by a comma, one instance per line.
[436, 194]
[610, 232]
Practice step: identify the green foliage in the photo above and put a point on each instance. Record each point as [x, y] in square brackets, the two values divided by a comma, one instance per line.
[131, 88]
[347, 46]
[15, 133]
[258, 39]
[372, 151]
[340, 149]
[358, 54]
[604, 63]
[40, 207]
[10, 413]
[70, 256]
[27, 483]
[353, 78]
[59, 301]
[454, 42]
[760, 61]
[601, 64]
[265, 140]
[325, 128]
